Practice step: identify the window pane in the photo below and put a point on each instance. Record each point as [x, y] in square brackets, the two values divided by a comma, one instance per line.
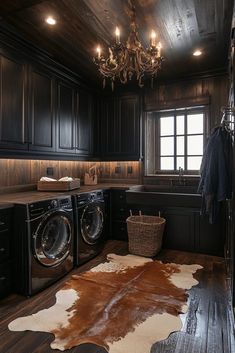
[180, 125]
[195, 123]
[167, 163]
[167, 126]
[180, 145]
[167, 146]
[180, 162]
[195, 144]
[194, 163]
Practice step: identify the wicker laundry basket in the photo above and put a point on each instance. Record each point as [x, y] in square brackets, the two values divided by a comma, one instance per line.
[145, 234]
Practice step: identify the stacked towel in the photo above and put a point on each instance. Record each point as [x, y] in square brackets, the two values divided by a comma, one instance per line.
[61, 179]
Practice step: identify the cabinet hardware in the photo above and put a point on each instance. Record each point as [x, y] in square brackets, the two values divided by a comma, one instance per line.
[2, 223]
[2, 278]
[2, 249]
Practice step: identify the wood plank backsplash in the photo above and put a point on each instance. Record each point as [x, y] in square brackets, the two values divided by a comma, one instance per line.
[23, 172]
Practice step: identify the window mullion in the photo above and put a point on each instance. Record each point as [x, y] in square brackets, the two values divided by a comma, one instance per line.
[185, 141]
[175, 142]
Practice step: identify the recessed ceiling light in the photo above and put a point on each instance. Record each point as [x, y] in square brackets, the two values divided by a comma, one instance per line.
[197, 53]
[50, 20]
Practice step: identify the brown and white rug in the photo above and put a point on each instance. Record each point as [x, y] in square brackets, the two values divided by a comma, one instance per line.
[123, 305]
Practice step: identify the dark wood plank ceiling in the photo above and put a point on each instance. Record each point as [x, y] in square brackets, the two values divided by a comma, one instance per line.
[182, 26]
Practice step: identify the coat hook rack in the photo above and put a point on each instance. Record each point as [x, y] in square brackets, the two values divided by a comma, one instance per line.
[227, 120]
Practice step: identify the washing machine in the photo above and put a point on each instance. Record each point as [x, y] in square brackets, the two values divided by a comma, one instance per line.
[90, 218]
[43, 243]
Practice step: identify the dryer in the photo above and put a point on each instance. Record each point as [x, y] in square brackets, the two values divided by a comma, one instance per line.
[43, 243]
[90, 218]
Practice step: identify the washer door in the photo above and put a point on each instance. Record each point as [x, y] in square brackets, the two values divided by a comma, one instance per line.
[52, 240]
[92, 222]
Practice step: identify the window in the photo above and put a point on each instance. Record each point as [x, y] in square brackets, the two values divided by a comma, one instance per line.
[174, 140]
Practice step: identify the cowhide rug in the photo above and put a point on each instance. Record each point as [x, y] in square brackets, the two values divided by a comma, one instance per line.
[123, 305]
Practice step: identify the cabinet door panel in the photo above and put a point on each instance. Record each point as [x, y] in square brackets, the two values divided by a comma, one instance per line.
[84, 123]
[179, 229]
[110, 128]
[210, 238]
[119, 230]
[4, 245]
[66, 120]
[42, 113]
[129, 125]
[5, 279]
[120, 121]
[12, 115]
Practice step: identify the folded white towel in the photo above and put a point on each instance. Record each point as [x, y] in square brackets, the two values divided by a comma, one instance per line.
[47, 179]
[67, 178]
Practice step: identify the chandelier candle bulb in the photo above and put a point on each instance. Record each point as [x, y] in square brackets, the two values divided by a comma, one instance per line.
[50, 20]
[153, 38]
[117, 33]
[159, 47]
[98, 50]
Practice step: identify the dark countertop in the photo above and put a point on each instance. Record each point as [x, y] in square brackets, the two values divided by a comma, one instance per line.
[26, 197]
[4, 205]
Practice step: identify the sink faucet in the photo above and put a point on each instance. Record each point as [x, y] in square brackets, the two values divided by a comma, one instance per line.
[181, 173]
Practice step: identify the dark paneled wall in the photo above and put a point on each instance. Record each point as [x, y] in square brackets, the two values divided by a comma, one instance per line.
[212, 90]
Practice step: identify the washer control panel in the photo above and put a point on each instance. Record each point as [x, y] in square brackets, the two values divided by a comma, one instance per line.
[41, 207]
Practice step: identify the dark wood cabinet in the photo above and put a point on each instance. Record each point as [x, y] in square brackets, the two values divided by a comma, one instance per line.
[46, 113]
[179, 229]
[84, 123]
[5, 251]
[120, 127]
[186, 229]
[74, 121]
[119, 214]
[66, 124]
[13, 106]
[210, 238]
[110, 136]
[42, 112]
[129, 126]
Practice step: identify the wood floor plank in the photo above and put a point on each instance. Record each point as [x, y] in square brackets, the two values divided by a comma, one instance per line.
[178, 342]
[207, 325]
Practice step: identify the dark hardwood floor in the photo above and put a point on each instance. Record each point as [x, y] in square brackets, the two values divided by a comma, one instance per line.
[207, 326]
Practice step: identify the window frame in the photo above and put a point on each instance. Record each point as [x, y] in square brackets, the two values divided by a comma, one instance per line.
[157, 137]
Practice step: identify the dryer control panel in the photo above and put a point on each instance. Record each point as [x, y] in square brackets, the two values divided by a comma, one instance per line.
[85, 198]
[40, 207]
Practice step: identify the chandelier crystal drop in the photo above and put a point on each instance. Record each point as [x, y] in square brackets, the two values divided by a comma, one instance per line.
[131, 59]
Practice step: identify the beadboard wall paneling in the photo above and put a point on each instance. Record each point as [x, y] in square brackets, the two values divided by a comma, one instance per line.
[22, 172]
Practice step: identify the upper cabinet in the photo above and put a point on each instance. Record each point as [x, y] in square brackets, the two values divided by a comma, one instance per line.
[46, 113]
[84, 123]
[42, 111]
[13, 112]
[74, 121]
[110, 134]
[129, 126]
[120, 128]
[66, 123]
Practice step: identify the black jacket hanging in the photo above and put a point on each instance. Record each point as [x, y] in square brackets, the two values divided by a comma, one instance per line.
[216, 172]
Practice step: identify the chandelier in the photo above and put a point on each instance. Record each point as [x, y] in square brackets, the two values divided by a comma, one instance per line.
[131, 59]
